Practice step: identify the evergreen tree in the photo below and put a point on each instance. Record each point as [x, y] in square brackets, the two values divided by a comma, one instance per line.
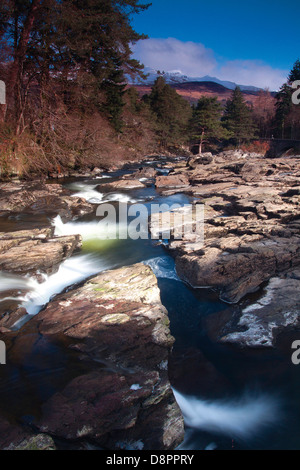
[283, 109]
[287, 117]
[172, 113]
[238, 118]
[206, 121]
[67, 39]
[294, 73]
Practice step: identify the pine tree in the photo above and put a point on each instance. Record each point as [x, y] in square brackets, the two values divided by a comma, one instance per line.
[238, 118]
[287, 117]
[172, 113]
[294, 73]
[283, 109]
[206, 121]
[67, 39]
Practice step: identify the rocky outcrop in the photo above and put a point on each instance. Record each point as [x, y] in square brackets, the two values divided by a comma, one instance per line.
[38, 198]
[260, 323]
[251, 229]
[115, 321]
[32, 251]
[39, 442]
[237, 266]
[203, 159]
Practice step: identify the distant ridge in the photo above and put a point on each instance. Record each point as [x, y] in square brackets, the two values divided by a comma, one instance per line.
[176, 77]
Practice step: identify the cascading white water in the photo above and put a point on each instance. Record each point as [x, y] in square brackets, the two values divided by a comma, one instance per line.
[87, 192]
[90, 194]
[10, 282]
[238, 418]
[119, 197]
[71, 271]
[88, 230]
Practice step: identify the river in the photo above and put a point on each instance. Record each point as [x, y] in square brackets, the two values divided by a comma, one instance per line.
[231, 398]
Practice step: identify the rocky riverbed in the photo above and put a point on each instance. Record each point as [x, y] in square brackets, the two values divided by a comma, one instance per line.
[112, 325]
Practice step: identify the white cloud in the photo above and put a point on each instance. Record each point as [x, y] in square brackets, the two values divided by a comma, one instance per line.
[195, 60]
[170, 54]
[251, 72]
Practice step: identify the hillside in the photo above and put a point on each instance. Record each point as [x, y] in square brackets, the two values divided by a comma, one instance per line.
[192, 91]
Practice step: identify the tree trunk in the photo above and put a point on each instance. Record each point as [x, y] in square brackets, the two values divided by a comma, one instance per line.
[201, 142]
[15, 76]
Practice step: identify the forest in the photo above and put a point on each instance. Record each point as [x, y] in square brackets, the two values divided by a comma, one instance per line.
[66, 65]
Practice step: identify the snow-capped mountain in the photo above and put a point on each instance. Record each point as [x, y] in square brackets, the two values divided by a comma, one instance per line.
[176, 76]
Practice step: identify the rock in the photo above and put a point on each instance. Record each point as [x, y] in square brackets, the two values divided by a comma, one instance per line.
[260, 323]
[124, 184]
[239, 270]
[97, 171]
[39, 442]
[35, 233]
[11, 434]
[203, 159]
[37, 197]
[115, 320]
[172, 181]
[27, 252]
[145, 172]
[251, 223]
[9, 320]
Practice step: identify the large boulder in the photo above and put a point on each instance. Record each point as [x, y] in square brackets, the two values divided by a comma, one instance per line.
[115, 321]
[238, 266]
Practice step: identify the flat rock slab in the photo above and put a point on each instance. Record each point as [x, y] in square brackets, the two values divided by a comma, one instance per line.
[37, 197]
[172, 181]
[237, 266]
[125, 184]
[29, 252]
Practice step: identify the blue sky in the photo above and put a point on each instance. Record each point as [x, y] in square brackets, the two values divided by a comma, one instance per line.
[256, 42]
